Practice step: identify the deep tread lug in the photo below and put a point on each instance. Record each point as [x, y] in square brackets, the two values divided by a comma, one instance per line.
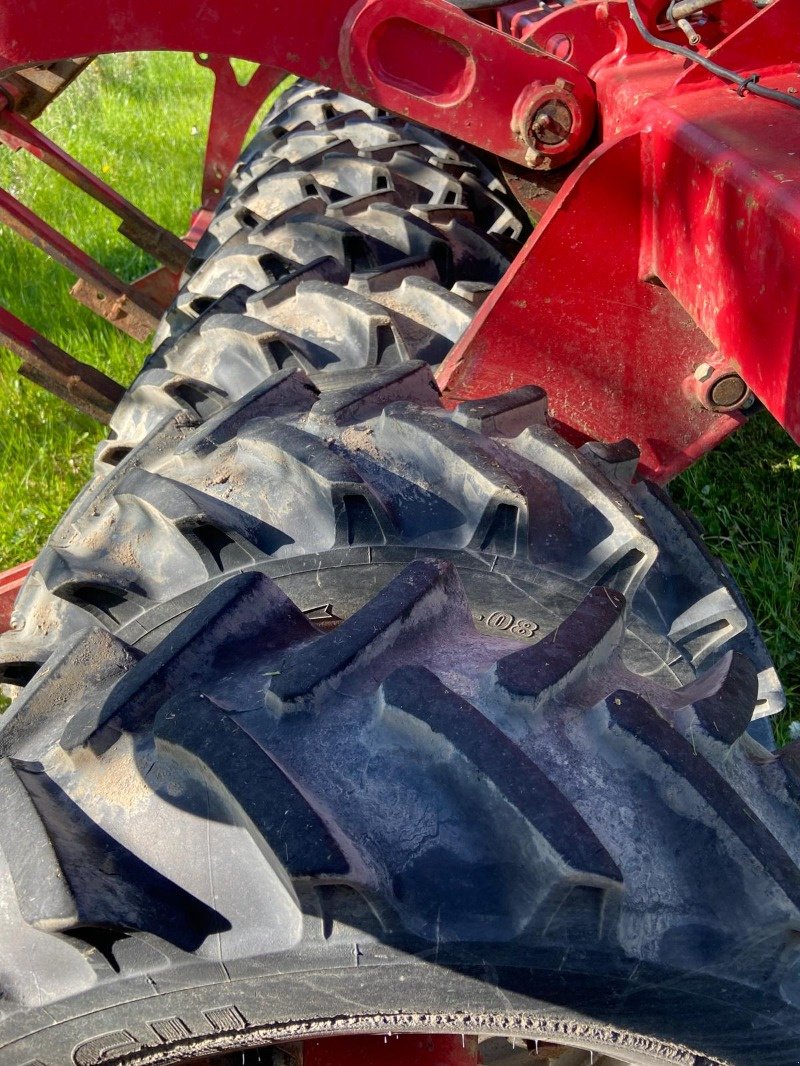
[195, 731]
[240, 610]
[724, 697]
[420, 693]
[505, 416]
[581, 643]
[422, 590]
[636, 718]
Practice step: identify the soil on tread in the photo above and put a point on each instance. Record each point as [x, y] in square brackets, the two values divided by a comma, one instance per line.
[347, 238]
[375, 466]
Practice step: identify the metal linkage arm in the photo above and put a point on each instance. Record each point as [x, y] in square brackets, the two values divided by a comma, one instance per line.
[141, 230]
[98, 288]
[424, 58]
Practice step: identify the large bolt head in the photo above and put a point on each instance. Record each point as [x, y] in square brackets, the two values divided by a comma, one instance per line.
[549, 122]
[728, 393]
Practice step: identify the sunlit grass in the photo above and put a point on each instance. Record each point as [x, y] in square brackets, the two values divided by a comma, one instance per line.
[139, 122]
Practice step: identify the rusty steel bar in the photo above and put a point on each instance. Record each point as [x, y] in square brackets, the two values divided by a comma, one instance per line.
[138, 227]
[30, 90]
[83, 386]
[98, 288]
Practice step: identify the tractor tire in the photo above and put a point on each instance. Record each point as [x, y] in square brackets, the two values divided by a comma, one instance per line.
[346, 238]
[452, 767]
[381, 237]
[343, 712]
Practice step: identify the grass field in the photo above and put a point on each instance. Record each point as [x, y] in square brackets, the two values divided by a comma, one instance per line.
[140, 123]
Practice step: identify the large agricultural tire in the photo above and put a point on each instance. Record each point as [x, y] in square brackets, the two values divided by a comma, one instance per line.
[381, 237]
[356, 714]
[346, 238]
[433, 775]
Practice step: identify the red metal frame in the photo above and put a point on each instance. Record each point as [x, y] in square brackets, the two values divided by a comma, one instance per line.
[233, 108]
[407, 1049]
[675, 244]
[424, 58]
[10, 583]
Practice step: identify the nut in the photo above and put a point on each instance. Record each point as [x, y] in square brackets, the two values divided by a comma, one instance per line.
[533, 158]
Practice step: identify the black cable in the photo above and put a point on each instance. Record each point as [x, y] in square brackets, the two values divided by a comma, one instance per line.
[745, 83]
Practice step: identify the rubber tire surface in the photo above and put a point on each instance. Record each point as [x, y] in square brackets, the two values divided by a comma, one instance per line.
[437, 749]
[346, 238]
[380, 236]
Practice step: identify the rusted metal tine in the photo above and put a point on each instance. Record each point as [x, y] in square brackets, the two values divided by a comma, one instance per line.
[83, 386]
[31, 89]
[98, 288]
[138, 227]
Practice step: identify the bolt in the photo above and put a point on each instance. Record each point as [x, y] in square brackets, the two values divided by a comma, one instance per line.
[704, 372]
[551, 124]
[533, 158]
[559, 45]
[728, 392]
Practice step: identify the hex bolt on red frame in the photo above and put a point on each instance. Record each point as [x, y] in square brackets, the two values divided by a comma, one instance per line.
[655, 146]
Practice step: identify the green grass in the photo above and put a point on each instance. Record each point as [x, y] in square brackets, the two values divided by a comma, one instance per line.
[140, 122]
[746, 495]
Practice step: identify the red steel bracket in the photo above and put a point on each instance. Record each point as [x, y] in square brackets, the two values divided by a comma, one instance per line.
[233, 108]
[613, 350]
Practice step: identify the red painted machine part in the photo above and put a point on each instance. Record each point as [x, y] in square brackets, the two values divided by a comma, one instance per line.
[234, 106]
[672, 245]
[406, 1050]
[10, 584]
[423, 58]
[613, 349]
